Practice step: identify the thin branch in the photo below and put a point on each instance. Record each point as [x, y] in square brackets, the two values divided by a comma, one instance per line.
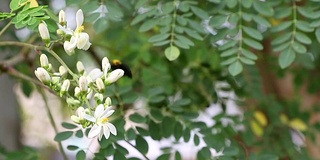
[54, 54]
[44, 97]
[137, 150]
[5, 28]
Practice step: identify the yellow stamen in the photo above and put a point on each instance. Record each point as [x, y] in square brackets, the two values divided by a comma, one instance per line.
[103, 120]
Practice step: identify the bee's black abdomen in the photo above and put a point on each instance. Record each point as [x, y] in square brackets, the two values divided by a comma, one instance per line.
[117, 64]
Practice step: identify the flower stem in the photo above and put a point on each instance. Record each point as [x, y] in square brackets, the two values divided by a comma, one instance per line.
[54, 54]
[5, 28]
[52, 120]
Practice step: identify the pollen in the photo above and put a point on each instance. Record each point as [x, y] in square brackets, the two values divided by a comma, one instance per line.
[81, 28]
[104, 120]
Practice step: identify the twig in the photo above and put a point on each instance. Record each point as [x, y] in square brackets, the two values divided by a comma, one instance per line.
[137, 150]
[52, 120]
[5, 28]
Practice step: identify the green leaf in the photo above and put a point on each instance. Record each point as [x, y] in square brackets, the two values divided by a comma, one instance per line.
[142, 145]
[246, 3]
[79, 133]
[148, 24]
[154, 129]
[199, 12]
[172, 53]
[282, 12]
[142, 131]
[286, 57]
[68, 125]
[186, 135]
[137, 118]
[119, 156]
[262, 21]
[178, 131]
[181, 20]
[63, 136]
[165, 156]
[161, 43]
[156, 114]
[123, 151]
[308, 12]
[72, 147]
[282, 47]
[231, 3]
[193, 34]
[253, 33]
[252, 43]
[167, 126]
[229, 61]
[235, 68]
[81, 155]
[131, 134]
[249, 54]
[304, 26]
[177, 155]
[229, 52]
[318, 34]
[185, 40]
[229, 44]
[281, 39]
[299, 48]
[167, 8]
[282, 26]
[263, 8]
[247, 61]
[204, 153]
[196, 139]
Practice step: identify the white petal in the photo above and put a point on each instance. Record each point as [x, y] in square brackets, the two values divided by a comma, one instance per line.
[94, 131]
[89, 118]
[107, 114]
[82, 40]
[95, 73]
[106, 132]
[100, 134]
[115, 75]
[99, 111]
[79, 18]
[112, 128]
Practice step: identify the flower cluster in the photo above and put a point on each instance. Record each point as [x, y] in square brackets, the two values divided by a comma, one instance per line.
[71, 38]
[87, 86]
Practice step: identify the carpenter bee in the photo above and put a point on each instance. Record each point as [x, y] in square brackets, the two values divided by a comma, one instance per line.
[117, 64]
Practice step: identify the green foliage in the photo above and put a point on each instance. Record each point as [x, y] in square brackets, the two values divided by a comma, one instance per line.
[188, 55]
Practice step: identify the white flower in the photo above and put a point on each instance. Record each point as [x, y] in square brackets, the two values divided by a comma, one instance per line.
[44, 60]
[101, 120]
[215, 154]
[42, 75]
[105, 64]
[79, 115]
[76, 91]
[94, 74]
[100, 84]
[107, 101]
[65, 85]
[62, 18]
[44, 32]
[79, 38]
[114, 76]
[62, 70]
[80, 67]
[83, 83]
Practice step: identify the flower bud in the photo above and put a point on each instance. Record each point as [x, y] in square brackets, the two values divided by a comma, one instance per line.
[62, 18]
[44, 61]
[83, 41]
[62, 71]
[44, 33]
[73, 102]
[100, 84]
[42, 75]
[65, 85]
[89, 95]
[107, 102]
[98, 97]
[80, 67]
[114, 76]
[83, 84]
[55, 80]
[76, 91]
[105, 64]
